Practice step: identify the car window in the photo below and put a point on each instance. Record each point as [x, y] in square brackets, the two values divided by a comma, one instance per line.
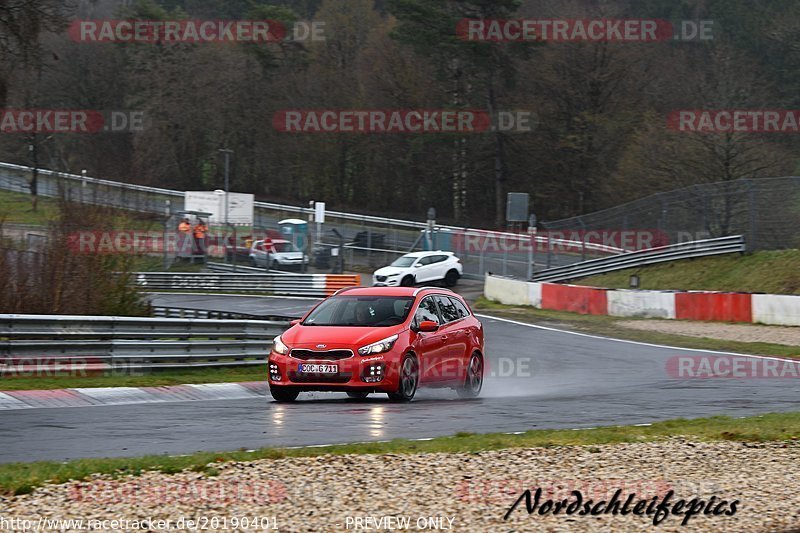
[438, 258]
[427, 311]
[425, 260]
[460, 307]
[448, 309]
[403, 261]
[360, 311]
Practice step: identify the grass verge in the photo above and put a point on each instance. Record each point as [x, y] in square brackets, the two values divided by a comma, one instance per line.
[21, 478]
[607, 326]
[773, 272]
[150, 379]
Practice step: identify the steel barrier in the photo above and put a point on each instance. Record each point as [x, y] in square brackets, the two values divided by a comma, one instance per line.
[686, 250]
[293, 285]
[55, 342]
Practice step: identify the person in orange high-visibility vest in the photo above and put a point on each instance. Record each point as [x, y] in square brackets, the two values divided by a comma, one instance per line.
[200, 230]
[184, 238]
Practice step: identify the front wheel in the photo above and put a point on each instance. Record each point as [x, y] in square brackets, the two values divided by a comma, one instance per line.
[284, 394]
[407, 281]
[473, 382]
[409, 379]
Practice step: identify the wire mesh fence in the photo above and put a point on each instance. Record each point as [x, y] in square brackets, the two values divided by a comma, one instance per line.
[766, 211]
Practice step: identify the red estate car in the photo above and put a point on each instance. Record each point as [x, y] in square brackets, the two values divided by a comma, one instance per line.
[380, 339]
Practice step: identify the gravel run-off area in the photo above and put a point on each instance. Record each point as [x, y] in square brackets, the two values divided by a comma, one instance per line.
[789, 335]
[454, 492]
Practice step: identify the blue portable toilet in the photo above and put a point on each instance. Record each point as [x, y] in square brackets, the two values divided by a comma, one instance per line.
[295, 231]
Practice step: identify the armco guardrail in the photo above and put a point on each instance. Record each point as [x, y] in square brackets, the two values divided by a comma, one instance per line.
[91, 343]
[686, 250]
[297, 285]
[244, 269]
[184, 312]
[151, 199]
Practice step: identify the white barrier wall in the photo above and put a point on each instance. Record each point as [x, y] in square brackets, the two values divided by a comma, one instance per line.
[777, 309]
[535, 294]
[507, 291]
[645, 304]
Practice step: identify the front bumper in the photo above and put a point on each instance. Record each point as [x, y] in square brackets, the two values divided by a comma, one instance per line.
[378, 373]
[385, 281]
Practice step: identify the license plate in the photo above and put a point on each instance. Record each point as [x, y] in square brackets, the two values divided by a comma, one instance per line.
[315, 368]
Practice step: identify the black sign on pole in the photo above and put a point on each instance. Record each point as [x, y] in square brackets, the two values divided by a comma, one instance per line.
[517, 207]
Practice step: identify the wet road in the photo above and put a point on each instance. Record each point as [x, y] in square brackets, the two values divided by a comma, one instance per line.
[539, 378]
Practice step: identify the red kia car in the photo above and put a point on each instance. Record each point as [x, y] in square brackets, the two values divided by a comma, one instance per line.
[365, 340]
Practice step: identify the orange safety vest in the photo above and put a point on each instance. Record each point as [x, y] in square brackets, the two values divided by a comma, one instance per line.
[184, 227]
[200, 231]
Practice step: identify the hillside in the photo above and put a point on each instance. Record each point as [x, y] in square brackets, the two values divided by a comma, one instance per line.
[776, 271]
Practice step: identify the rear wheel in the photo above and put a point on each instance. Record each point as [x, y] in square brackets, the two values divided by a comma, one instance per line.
[284, 394]
[409, 379]
[358, 395]
[473, 382]
[451, 278]
[407, 281]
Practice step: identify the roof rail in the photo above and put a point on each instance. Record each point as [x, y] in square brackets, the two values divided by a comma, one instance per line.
[343, 289]
[432, 288]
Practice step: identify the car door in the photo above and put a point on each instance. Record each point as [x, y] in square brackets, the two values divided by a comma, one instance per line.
[438, 266]
[431, 347]
[422, 269]
[455, 336]
[258, 253]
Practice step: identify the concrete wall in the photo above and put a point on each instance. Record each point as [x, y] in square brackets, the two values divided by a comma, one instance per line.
[689, 305]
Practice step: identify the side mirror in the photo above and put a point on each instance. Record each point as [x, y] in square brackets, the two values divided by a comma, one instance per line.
[428, 326]
[295, 321]
[417, 265]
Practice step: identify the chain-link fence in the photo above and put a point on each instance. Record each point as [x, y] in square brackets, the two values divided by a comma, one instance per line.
[766, 211]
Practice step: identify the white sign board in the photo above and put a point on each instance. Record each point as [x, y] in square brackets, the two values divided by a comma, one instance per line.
[240, 205]
[319, 212]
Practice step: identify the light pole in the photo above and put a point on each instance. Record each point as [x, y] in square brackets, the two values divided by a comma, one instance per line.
[227, 184]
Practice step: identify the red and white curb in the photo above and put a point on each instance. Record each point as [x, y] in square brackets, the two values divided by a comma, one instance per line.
[87, 397]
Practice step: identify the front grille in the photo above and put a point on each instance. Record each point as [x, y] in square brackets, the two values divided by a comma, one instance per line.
[329, 355]
[343, 377]
[380, 278]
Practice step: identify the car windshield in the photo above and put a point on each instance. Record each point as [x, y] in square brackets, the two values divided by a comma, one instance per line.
[367, 311]
[404, 261]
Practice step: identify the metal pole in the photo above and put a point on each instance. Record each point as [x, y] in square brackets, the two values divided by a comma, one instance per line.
[164, 236]
[227, 180]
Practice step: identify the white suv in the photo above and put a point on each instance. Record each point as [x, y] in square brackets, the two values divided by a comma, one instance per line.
[419, 267]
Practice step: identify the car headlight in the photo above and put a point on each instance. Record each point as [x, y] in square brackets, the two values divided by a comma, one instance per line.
[378, 347]
[392, 275]
[279, 347]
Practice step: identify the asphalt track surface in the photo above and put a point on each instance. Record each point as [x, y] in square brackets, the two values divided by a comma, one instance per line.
[566, 381]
